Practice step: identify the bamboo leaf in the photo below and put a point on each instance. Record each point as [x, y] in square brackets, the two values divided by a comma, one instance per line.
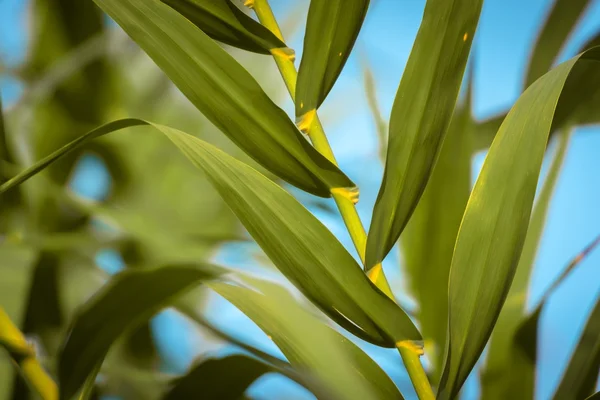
[420, 116]
[309, 344]
[581, 374]
[316, 262]
[129, 299]
[493, 229]
[498, 361]
[331, 30]
[225, 93]
[224, 22]
[429, 238]
[557, 29]
[219, 378]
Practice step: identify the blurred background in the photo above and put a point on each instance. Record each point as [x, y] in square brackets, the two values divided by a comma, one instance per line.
[65, 68]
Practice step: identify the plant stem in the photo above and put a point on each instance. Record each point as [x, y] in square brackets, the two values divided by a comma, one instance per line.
[311, 125]
[23, 356]
[410, 355]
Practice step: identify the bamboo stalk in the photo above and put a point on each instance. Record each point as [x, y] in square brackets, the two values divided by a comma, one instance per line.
[345, 201]
[310, 124]
[23, 356]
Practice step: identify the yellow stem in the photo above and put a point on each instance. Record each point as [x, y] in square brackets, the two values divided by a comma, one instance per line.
[311, 125]
[23, 356]
[410, 354]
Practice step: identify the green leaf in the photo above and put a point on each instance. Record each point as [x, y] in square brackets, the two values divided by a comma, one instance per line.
[223, 21]
[225, 93]
[331, 30]
[128, 300]
[302, 248]
[557, 29]
[498, 360]
[316, 262]
[429, 238]
[219, 378]
[493, 229]
[310, 344]
[581, 374]
[420, 116]
[16, 272]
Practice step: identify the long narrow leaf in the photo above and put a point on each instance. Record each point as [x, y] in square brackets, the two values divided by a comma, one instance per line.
[493, 229]
[420, 116]
[429, 238]
[225, 93]
[223, 21]
[331, 30]
[300, 246]
[309, 344]
[498, 364]
[128, 300]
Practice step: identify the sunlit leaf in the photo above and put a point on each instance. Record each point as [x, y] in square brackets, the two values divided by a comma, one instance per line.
[316, 262]
[420, 116]
[219, 378]
[331, 29]
[557, 29]
[129, 299]
[225, 93]
[493, 229]
[429, 238]
[498, 362]
[309, 344]
[223, 21]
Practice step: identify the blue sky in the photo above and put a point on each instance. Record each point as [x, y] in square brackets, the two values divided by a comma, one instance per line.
[506, 33]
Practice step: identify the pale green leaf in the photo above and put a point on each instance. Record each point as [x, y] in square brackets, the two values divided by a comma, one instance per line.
[225, 93]
[223, 21]
[331, 30]
[494, 226]
[309, 344]
[420, 116]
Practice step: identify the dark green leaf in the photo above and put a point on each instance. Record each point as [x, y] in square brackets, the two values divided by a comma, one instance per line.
[595, 396]
[420, 116]
[219, 378]
[223, 21]
[556, 31]
[429, 238]
[310, 344]
[331, 30]
[225, 93]
[129, 299]
[581, 374]
[498, 360]
[493, 229]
